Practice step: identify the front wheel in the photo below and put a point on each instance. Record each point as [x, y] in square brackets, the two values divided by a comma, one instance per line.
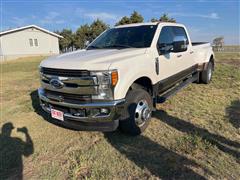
[137, 112]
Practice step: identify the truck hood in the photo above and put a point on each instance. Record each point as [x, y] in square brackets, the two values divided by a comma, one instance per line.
[90, 59]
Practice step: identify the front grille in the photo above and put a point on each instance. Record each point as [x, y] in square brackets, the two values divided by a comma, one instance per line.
[65, 72]
[71, 97]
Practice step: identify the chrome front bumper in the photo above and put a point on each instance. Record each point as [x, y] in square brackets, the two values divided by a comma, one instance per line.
[105, 122]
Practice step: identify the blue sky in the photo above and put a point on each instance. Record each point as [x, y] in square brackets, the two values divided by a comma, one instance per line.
[204, 19]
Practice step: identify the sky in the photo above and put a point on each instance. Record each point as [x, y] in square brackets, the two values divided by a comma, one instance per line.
[205, 19]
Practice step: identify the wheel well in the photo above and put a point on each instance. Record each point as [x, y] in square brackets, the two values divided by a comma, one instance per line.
[212, 60]
[143, 82]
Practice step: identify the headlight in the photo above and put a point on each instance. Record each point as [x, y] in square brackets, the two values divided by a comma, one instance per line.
[106, 81]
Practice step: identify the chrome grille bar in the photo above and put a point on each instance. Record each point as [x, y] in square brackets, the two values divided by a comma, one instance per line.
[65, 72]
[80, 81]
[73, 85]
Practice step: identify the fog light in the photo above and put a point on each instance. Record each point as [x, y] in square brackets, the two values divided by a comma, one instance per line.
[78, 112]
[104, 111]
[94, 112]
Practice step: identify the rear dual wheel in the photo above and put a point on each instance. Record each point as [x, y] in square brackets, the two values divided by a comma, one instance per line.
[137, 112]
[206, 75]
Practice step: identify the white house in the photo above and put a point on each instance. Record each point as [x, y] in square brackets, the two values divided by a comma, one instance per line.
[28, 41]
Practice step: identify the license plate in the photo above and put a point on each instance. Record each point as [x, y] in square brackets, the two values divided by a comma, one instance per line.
[56, 114]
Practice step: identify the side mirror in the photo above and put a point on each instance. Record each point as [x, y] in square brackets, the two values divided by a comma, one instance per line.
[164, 48]
[179, 44]
[86, 43]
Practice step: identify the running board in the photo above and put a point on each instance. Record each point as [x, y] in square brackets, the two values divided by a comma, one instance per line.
[163, 97]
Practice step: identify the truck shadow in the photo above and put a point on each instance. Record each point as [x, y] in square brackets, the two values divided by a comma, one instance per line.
[144, 152]
[225, 145]
[233, 113]
[154, 157]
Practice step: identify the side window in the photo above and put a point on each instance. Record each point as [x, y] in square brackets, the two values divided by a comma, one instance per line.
[179, 31]
[36, 42]
[166, 36]
[31, 42]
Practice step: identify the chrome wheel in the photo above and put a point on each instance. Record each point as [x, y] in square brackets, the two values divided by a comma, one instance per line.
[142, 113]
[210, 73]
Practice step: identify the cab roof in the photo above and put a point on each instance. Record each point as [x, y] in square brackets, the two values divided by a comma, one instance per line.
[148, 23]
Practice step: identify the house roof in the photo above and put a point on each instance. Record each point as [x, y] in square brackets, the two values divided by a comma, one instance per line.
[30, 26]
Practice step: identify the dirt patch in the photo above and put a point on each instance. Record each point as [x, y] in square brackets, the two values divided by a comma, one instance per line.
[232, 62]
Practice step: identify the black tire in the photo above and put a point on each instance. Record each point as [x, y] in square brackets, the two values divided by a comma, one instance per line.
[129, 122]
[206, 75]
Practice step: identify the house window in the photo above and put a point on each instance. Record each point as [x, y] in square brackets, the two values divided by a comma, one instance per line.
[36, 42]
[31, 42]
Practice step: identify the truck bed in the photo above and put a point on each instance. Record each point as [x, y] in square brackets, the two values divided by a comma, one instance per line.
[202, 51]
[198, 43]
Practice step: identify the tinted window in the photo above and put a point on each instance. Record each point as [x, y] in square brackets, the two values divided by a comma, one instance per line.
[168, 33]
[179, 31]
[125, 37]
[166, 36]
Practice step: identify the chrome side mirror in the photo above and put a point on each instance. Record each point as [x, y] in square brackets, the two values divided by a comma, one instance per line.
[179, 44]
[164, 48]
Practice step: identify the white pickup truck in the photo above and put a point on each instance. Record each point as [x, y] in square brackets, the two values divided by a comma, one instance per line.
[121, 76]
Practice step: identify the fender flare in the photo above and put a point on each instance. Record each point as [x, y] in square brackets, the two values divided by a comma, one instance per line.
[210, 59]
[132, 82]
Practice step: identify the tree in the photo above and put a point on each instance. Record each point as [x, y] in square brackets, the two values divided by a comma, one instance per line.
[66, 42]
[124, 20]
[88, 33]
[134, 18]
[218, 43]
[96, 28]
[154, 20]
[166, 18]
[82, 35]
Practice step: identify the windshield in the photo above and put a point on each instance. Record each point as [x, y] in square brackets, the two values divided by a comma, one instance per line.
[125, 37]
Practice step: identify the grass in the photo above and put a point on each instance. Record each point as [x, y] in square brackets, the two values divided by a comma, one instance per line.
[228, 58]
[193, 135]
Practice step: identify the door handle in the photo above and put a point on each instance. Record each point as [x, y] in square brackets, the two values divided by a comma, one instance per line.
[157, 65]
[179, 55]
[191, 52]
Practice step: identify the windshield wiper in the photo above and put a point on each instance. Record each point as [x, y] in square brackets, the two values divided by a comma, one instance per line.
[93, 47]
[118, 46]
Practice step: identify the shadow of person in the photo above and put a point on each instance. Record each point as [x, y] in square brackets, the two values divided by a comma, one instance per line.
[233, 113]
[11, 151]
[154, 157]
[225, 145]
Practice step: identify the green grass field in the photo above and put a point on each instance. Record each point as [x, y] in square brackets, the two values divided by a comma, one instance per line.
[196, 134]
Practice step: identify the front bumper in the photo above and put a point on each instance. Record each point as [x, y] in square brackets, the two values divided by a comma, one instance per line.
[100, 122]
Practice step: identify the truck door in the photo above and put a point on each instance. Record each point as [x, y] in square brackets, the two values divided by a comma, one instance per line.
[172, 65]
[184, 59]
[166, 59]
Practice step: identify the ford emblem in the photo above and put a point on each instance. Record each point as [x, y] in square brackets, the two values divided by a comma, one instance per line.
[56, 83]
